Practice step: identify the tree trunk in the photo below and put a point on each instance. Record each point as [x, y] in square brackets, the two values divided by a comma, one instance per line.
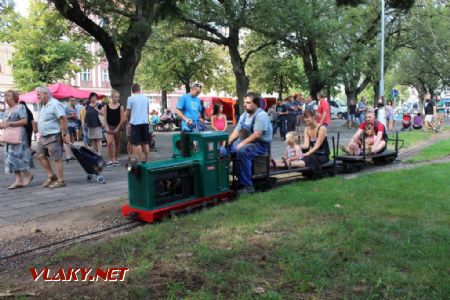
[187, 86]
[351, 95]
[328, 94]
[307, 51]
[376, 90]
[242, 81]
[164, 99]
[280, 89]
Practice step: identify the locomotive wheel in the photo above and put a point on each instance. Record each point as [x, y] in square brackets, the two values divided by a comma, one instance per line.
[358, 167]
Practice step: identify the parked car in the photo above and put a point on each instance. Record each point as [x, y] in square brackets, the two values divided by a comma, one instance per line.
[338, 109]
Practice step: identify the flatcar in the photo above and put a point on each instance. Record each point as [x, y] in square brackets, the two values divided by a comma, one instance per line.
[350, 163]
[197, 176]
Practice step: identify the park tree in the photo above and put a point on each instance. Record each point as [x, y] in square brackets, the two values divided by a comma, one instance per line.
[275, 70]
[121, 27]
[424, 62]
[223, 23]
[306, 29]
[46, 48]
[169, 61]
[356, 51]
[333, 45]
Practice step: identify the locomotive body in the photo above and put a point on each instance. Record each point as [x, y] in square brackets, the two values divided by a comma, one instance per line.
[195, 176]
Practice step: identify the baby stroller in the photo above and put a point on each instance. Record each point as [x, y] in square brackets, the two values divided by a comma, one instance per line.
[406, 122]
[91, 162]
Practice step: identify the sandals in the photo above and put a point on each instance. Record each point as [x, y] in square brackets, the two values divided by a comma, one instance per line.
[58, 184]
[50, 180]
[15, 186]
[29, 181]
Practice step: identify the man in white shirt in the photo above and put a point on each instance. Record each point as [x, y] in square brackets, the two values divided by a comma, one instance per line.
[137, 115]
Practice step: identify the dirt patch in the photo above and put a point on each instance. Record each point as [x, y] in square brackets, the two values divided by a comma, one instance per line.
[54, 228]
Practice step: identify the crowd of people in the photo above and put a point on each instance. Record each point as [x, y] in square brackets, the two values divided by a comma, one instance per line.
[287, 114]
[59, 127]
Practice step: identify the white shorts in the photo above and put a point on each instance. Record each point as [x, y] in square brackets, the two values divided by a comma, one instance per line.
[429, 118]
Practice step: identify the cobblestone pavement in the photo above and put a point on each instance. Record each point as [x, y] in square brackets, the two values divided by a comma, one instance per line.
[35, 201]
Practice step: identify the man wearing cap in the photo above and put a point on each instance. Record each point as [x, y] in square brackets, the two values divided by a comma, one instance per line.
[189, 110]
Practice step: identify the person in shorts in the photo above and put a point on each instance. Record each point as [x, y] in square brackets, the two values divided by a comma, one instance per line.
[430, 111]
[137, 115]
[52, 127]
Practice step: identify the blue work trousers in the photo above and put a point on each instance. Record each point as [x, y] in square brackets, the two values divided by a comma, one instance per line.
[244, 160]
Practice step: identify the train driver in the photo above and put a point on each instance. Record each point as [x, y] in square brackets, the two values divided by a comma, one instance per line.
[256, 121]
[189, 109]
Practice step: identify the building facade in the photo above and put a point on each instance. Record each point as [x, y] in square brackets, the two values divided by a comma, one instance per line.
[6, 77]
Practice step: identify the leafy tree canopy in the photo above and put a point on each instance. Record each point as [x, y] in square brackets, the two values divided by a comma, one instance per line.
[169, 61]
[47, 49]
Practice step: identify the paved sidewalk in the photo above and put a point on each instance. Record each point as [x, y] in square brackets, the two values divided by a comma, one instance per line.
[35, 201]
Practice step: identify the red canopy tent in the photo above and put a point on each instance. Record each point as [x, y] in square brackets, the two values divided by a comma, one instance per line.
[59, 91]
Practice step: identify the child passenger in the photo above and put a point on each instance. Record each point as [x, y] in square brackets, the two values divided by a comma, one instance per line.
[293, 153]
[357, 148]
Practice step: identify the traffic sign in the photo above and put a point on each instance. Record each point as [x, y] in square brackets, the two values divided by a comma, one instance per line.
[394, 93]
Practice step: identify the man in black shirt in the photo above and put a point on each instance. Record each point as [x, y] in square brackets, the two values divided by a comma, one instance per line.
[281, 122]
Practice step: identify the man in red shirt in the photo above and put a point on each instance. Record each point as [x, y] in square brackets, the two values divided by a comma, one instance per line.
[379, 143]
[323, 114]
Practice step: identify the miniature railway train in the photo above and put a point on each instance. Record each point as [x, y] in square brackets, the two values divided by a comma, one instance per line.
[198, 176]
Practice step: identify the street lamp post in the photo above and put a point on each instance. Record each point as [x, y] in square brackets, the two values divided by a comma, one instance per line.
[381, 110]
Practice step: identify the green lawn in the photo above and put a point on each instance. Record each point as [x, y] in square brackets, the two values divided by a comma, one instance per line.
[384, 235]
[414, 137]
[436, 150]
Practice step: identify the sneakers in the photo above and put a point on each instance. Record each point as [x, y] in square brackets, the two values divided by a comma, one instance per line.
[68, 160]
[115, 163]
[246, 190]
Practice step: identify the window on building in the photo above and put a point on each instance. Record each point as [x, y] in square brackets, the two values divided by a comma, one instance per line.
[105, 75]
[85, 75]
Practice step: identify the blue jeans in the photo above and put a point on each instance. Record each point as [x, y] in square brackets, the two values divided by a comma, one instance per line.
[244, 160]
[85, 135]
[352, 118]
[362, 118]
[282, 124]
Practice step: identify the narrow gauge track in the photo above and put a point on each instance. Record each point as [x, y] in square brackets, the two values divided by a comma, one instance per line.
[131, 225]
[94, 235]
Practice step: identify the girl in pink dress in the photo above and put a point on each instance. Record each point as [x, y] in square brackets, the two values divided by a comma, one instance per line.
[218, 119]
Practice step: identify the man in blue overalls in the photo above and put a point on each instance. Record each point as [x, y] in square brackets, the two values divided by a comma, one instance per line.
[256, 121]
